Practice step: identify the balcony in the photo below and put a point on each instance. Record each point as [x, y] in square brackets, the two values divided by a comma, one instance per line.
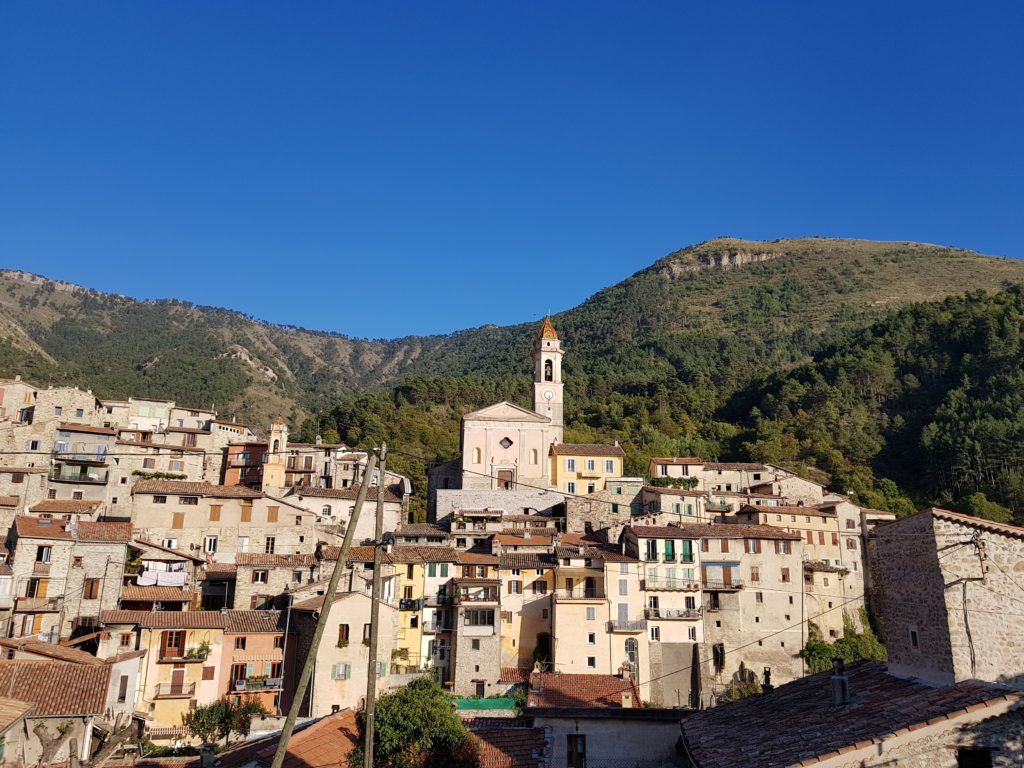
[97, 457]
[719, 506]
[408, 604]
[569, 595]
[90, 478]
[717, 585]
[627, 627]
[673, 614]
[39, 604]
[670, 557]
[191, 656]
[255, 685]
[438, 600]
[40, 569]
[669, 585]
[244, 460]
[175, 690]
[435, 627]
[477, 630]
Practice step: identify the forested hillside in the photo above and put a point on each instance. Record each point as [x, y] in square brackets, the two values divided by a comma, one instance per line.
[728, 348]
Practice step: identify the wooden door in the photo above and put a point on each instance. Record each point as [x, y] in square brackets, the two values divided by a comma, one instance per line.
[505, 479]
[178, 679]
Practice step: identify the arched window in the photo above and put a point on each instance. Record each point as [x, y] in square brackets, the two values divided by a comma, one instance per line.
[277, 445]
[533, 456]
[476, 456]
[633, 653]
[326, 511]
[549, 371]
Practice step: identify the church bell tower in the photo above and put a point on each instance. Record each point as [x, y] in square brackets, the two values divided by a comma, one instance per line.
[547, 374]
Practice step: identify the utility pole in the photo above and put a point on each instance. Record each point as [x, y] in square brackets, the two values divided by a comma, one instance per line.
[371, 671]
[321, 623]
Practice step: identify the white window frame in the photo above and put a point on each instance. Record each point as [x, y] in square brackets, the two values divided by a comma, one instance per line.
[210, 545]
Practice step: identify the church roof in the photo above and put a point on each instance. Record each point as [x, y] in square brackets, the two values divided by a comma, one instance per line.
[547, 330]
[506, 411]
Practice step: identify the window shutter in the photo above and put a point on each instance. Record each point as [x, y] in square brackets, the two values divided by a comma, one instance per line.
[178, 520]
[346, 671]
[272, 514]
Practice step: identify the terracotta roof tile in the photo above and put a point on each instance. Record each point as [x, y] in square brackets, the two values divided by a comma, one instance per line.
[514, 675]
[66, 426]
[155, 593]
[221, 571]
[262, 559]
[735, 466]
[11, 711]
[586, 449]
[526, 560]
[57, 689]
[166, 619]
[796, 723]
[679, 461]
[556, 689]
[187, 488]
[325, 743]
[477, 558]
[540, 537]
[511, 747]
[66, 507]
[51, 651]
[406, 553]
[29, 527]
[422, 529]
[252, 622]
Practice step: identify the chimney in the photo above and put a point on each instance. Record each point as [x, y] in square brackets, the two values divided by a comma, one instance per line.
[627, 699]
[840, 683]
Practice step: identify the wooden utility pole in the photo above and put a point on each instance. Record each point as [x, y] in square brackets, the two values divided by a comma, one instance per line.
[321, 623]
[371, 671]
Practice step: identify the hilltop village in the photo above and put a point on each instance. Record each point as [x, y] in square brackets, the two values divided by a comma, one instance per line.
[158, 558]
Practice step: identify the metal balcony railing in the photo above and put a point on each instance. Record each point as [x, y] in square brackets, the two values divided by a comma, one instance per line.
[667, 584]
[409, 604]
[718, 585]
[91, 478]
[579, 594]
[687, 614]
[175, 690]
[628, 627]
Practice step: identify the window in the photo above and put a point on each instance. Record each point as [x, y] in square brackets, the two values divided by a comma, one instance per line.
[57, 410]
[544, 613]
[91, 590]
[296, 577]
[850, 523]
[570, 487]
[170, 543]
[210, 545]
[810, 537]
[342, 635]
[591, 487]
[177, 466]
[246, 513]
[609, 466]
[77, 495]
[591, 465]
[515, 587]
[540, 587]
[52, 493]
[279, 643]
[591, 613]
[851, 544]
[122, 689]
[835, 539]
[782, 547]
[159, 499]
[215, 513]
[915, 641]
[755, 573]
[785, 574]
[692, 633]
[259, 577]
[341, 671]
[576, 750]
[591, 662]
[570, 465]
[268, 547]
[126, 640]
[149, 463]
[17, 477]
[725, 545]
[821, 537]
[240, 643]
[243, 543]
[479, 617]
[655, 634]
[43, 554]
[476, 645]
[759, 598]
[366, 633]
[591, 638]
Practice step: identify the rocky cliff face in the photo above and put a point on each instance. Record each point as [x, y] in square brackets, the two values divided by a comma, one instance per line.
[723, 261]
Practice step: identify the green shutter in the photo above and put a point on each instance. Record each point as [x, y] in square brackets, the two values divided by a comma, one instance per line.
[444, 570]
[432, 569]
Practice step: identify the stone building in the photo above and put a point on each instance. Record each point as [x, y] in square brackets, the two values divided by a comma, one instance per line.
[335, 506]
[221, 521]
[342, 661]
[476, 628]
[609, 510]
[65, 573]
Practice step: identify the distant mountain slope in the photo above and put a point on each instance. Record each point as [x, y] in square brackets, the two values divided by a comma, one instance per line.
[691, 329]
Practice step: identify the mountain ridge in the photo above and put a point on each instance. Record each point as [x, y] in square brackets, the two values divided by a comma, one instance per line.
[711, 294]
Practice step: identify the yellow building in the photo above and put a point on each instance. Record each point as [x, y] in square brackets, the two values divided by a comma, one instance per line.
[182, 667]
[527, 587]
[584, 468]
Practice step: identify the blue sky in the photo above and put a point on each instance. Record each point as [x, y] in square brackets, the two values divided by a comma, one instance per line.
[486, 162]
